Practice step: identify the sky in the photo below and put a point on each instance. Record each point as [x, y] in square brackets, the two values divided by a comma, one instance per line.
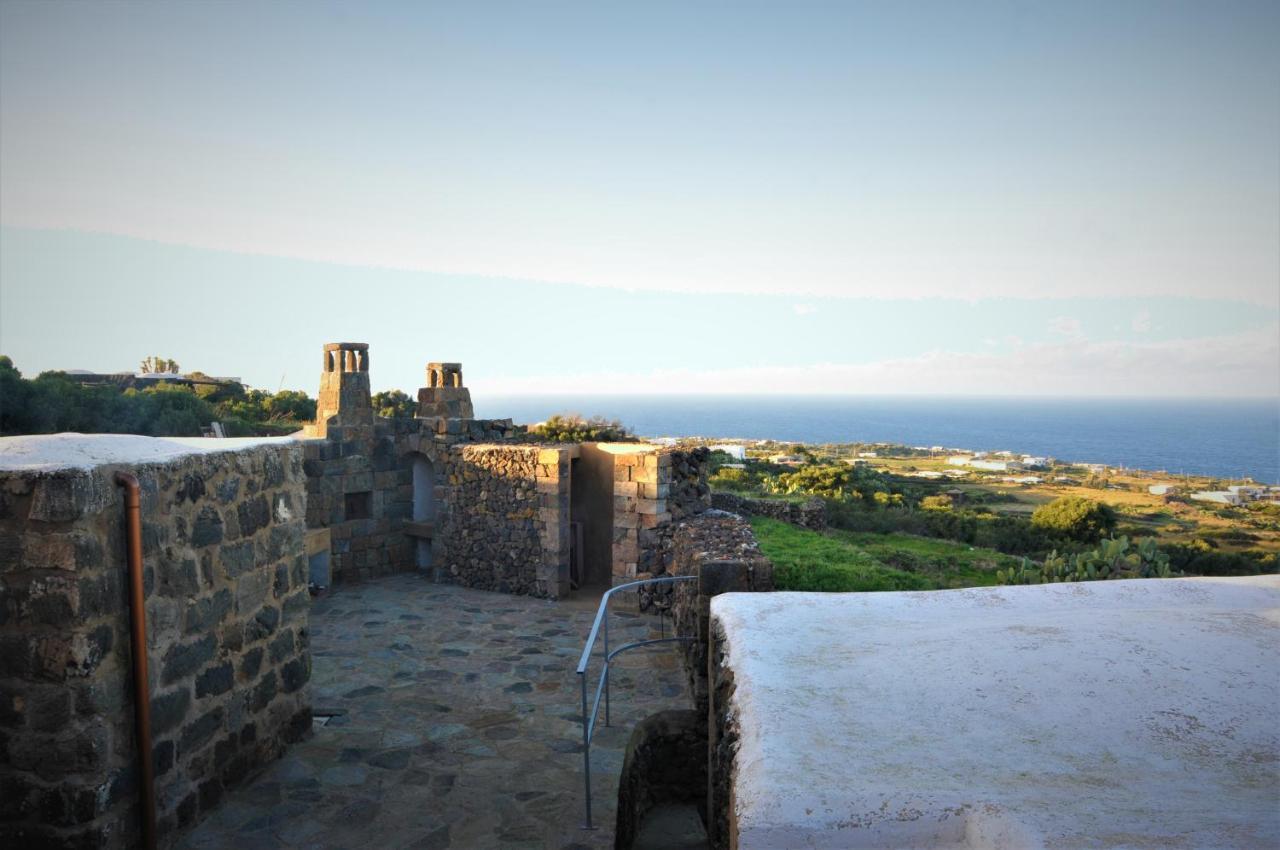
[929, 198]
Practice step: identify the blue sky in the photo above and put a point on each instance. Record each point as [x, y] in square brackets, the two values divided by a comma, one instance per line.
[847, 197]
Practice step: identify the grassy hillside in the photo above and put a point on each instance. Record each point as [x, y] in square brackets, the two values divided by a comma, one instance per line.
[848, 561]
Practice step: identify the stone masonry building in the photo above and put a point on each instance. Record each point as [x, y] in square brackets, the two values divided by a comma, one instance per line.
[235, 534]
[475, 501]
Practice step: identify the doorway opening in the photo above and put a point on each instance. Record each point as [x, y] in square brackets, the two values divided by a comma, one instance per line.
[591, 516]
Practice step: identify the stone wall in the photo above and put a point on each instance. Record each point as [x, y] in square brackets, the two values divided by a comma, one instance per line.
[226, 603]
[506, 527]
[811, 514]
[665, 763]
[720, 549]
[652, 489]
[722, 740]
[352, 463]
[358, 488]
[689, 491]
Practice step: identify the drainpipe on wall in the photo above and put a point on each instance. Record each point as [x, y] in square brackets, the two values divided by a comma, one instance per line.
[138, 623]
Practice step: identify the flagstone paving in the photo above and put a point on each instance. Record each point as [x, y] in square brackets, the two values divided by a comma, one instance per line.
[456, 724]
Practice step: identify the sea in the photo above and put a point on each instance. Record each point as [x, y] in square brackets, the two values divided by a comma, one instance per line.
[1231, 438]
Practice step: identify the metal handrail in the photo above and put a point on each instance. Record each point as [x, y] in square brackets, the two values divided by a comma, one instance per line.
[602, 687]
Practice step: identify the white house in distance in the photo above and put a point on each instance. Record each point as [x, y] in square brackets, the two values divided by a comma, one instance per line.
[996, 465]
[1219, 497]
[1236, 494]
[1162, 489]
[733, 450]
[976, 462]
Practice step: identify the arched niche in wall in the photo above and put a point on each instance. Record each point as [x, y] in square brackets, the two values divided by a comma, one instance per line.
[424, 504]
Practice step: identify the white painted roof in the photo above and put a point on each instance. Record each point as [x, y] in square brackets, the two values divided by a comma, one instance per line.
[50, 452]
[1103, 715]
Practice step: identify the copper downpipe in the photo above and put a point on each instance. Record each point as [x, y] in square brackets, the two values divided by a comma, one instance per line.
[138, 622]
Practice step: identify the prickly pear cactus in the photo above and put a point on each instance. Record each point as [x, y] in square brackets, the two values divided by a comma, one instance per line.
[1114, 558]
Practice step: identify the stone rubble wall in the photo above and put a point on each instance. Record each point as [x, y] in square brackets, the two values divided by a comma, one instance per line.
[507, 526]
[811, 514]
[722, 741]
[689, 491]
[721, 551]
[227, 606]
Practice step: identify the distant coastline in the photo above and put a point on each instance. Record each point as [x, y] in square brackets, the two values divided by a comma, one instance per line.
[1226, 438]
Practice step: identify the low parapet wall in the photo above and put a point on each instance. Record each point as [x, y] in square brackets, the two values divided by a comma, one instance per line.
[720, 549]
[226, 601]
[1096, 714]
[811, 514]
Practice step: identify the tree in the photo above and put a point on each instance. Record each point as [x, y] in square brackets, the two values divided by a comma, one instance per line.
[1075, 517]
[54, 402]
[155, 365]
[572, 428]
[394, 404]
[840, 482]
[14, 394]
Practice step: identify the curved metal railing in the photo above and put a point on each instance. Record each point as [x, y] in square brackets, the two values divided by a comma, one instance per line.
[602, 687]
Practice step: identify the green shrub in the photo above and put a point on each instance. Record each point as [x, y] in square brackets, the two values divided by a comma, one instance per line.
[738, 480]
[837, 482]
[572, 428]
[1075, 517]
[1201, 560]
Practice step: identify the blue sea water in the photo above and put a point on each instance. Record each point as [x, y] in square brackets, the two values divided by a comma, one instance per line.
[1230, 438]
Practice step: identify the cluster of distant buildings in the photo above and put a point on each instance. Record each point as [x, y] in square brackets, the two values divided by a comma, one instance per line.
[965, 461]
[1236, 494]
[142, 380]
[1000, 461]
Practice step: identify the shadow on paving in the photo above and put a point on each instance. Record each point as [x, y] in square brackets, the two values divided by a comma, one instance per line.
[457, 725]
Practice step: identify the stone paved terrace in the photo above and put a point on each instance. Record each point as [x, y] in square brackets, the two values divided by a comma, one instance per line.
[461, 726]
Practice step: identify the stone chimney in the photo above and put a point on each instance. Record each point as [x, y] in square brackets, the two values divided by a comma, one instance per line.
[444, 396]
[344, 388]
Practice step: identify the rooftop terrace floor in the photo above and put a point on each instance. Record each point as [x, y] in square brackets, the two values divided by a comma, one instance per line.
[461, 728]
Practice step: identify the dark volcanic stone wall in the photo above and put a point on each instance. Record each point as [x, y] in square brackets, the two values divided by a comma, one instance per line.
[507, 526]
[811, 514]
[720, 549]
[722, 741]
[226, 603]
[689, 492]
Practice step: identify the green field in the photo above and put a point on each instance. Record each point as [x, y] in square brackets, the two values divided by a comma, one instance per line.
[849, 561]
